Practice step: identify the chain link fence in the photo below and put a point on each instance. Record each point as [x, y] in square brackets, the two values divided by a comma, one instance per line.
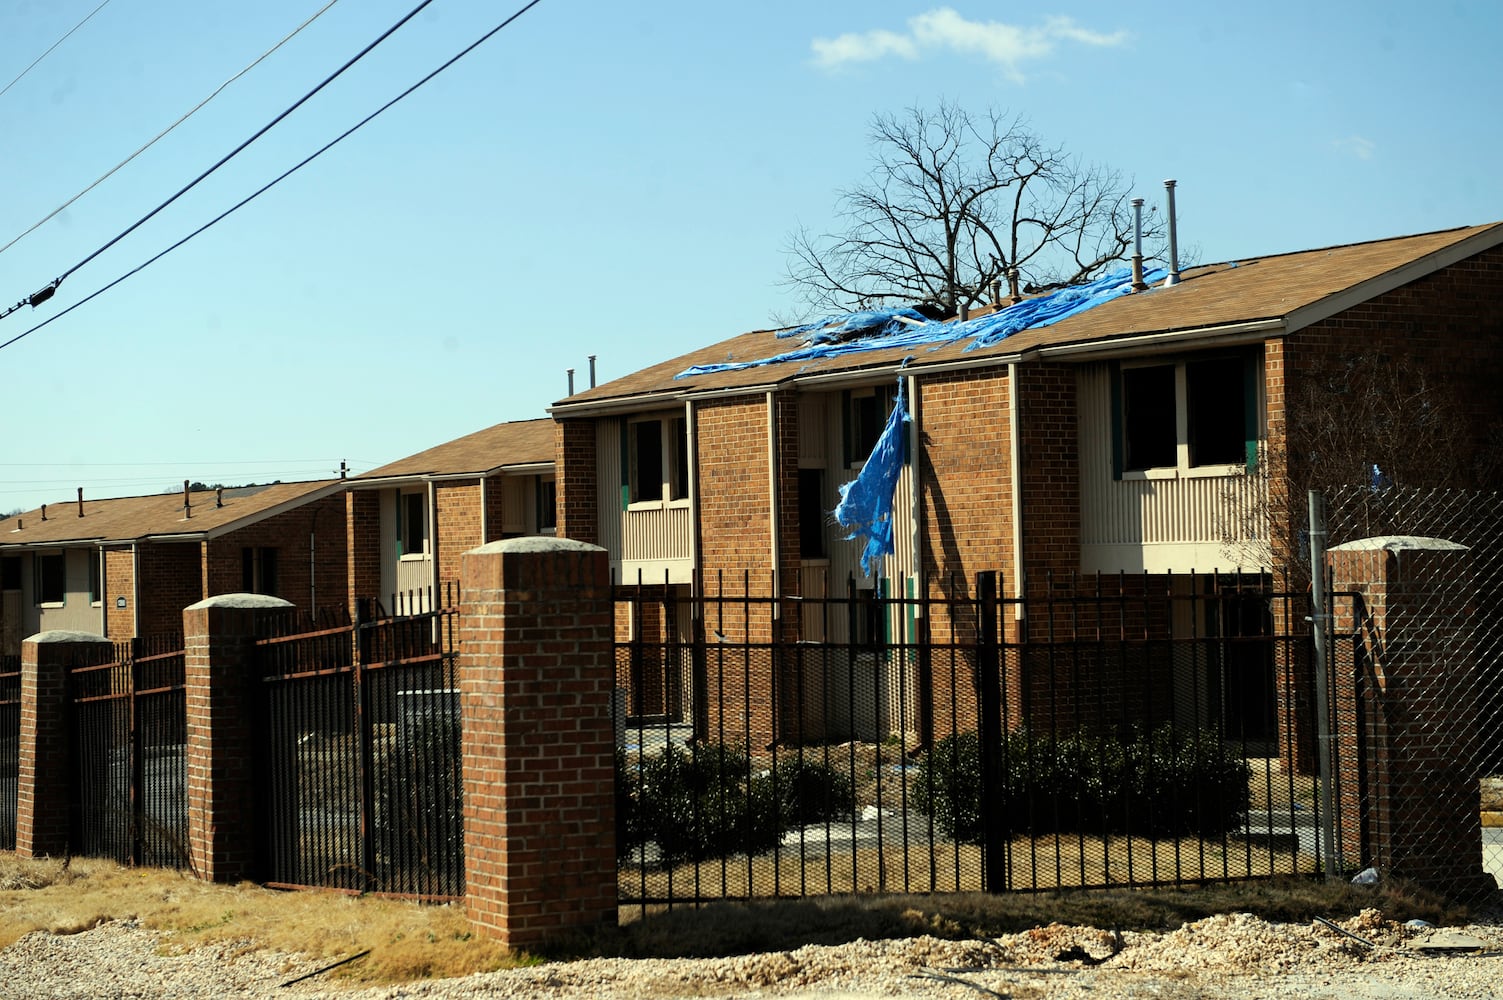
[1416, 579]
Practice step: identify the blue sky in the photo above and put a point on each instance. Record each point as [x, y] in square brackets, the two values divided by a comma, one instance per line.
[608, 179]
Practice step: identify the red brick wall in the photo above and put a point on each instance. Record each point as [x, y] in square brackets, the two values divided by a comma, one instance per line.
[312, 555]
[171, 579]
[458, 527]
[120, 581]
[578, 485]
[363, 541]
[735, 502]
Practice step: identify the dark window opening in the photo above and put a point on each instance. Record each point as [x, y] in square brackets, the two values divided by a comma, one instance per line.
[258, 571]
[678, 487]
[647, 460]
[811, 514]
[412, 536]
[547, 501]
[1149, 438]
[10, 573]
[51, 579]
[95, 590]
[865, 417]
[1216, 411]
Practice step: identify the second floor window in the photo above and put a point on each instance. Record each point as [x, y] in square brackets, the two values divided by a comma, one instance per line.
[657, 460]
[258, 570]
[1190, 414]
[51, 578]
[412, 526]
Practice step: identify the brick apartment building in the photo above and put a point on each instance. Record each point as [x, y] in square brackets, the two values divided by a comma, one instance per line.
[1145, 439]
[410, 521]
[128, 566]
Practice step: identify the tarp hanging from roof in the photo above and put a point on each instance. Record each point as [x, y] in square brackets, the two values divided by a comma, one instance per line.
[885, 329]
[866, 502]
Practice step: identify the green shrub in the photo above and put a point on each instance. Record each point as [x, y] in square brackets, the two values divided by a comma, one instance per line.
[810, 790]
[1162, 783]
[706, 802]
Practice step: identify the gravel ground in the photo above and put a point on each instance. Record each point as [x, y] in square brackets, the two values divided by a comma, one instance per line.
[1233, 955]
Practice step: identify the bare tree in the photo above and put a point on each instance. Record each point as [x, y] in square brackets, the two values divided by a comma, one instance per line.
[955, 203]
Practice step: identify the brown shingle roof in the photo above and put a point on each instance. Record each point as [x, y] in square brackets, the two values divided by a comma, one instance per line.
[1280, 287]
[124, 519]
[518, 442]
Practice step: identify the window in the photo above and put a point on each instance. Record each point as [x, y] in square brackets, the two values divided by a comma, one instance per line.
[10, 573]
[412, 526]
[811, 514]
[258, 570]
[865, 414]
[51, 578]
[547, 503]
[1187, 414]
[95, 594]
[656, 460]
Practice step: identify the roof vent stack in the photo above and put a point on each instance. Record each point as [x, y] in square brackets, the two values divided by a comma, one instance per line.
[1012, 286]
[344, 468]
[80, 501]
[187, 502]
[592, 371]
[219, 497]
[44, 512]
[1138, 284]
[996, 294]
[570, 372]
[965, 311]
[1173, 278]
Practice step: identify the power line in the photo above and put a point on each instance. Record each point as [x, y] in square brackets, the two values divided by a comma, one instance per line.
[46, 292]
[54, 45]
[259, 59]
[276, 180]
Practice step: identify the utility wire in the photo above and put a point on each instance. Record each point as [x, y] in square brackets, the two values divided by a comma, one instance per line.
[63, 207]
[55, 44]
[279, 178]
[46, 292]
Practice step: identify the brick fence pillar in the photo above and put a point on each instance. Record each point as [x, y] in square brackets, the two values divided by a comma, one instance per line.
[536, 677]
[45, 789]
[1407, 735]
[220, 689]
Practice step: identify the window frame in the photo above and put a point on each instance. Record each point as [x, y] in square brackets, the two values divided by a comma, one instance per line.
[672, 459]
[1252, 418]
[409, 501]
[260, 570]
[40, 580]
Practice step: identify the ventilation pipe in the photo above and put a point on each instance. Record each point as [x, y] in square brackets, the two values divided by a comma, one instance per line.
[219, 497]
[44, 512]
[1173, 278]
[570, 373]
[592, 371]
[1012, 285]
[1138, 284]
[187, 502]
[996, 294]
[80, 501]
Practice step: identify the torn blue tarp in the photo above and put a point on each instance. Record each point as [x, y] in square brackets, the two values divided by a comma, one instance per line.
[865, 506]
[885, 329]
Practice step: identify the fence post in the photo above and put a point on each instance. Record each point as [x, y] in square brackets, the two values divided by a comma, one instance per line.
[989, 675]
[219, 685]
[45, 787]
[1320, 623]
[536, 680]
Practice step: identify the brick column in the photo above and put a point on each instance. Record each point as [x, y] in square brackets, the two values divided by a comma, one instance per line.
[44, 792]
[1407, 739]
[536, 676]
[221, 689]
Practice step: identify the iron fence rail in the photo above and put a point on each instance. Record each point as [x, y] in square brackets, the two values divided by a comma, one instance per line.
[935, 736]
[129, 729]
[10, 743]
[362, 784]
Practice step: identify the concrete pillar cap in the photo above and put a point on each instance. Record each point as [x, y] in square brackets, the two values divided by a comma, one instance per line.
[1399, 543]
[240, 601]
[66, 635]
[536, 543]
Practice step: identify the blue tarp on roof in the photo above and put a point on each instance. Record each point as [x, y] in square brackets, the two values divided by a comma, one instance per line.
[866, 502]
[884, 329]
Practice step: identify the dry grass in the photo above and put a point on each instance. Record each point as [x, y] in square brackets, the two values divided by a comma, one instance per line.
[407, 940]
[411, 941]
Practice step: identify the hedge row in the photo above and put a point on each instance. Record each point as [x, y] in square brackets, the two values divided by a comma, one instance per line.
[1163, 783]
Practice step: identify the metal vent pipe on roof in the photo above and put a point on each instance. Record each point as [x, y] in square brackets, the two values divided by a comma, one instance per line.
[1173, 278]
[187, 501]
[1138, 284]
[80, 501]
[571, 381]
[44, 512]
[592, 371]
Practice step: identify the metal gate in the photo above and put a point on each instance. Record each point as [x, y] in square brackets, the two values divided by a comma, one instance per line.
[129, 723]
[10, 744]
[361, 782]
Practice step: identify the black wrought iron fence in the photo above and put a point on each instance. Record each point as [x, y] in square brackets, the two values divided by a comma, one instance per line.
[129, 725]
[362, 782]
[935, 736]
[10, 744]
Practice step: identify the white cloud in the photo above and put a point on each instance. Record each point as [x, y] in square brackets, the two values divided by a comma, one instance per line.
[1010, 46]
[1359, 147]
